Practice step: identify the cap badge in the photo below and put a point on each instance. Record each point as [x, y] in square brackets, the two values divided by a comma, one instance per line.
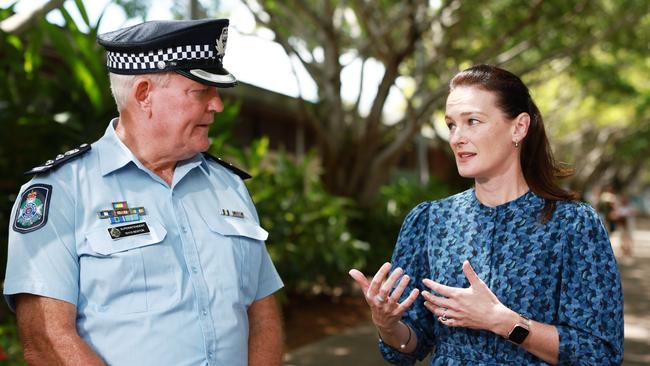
[122, 213]
[221, 42]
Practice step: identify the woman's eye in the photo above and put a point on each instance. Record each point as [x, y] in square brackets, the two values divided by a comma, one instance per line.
[450, 126]
[473, 121]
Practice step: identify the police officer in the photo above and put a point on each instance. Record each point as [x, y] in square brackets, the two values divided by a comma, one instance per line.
[140, 249]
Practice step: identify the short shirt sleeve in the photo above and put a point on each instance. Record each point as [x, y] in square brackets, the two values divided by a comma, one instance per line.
[411, 255]
[42, 257]
[268, 279]
[590, 318]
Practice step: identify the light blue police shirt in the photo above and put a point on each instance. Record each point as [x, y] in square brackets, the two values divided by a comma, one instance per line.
[176, 295]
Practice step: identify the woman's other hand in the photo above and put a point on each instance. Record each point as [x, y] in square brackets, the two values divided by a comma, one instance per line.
[474, 307]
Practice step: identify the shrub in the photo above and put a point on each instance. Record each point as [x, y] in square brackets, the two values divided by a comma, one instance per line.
[309, 239]
[380, 224]
[11, 352]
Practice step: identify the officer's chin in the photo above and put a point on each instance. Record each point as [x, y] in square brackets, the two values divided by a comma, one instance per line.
[203, 147]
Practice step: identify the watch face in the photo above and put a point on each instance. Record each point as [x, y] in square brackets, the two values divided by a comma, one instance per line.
[518, 334]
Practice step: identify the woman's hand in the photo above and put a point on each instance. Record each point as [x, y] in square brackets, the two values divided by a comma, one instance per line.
[384, 306]
[474, 307]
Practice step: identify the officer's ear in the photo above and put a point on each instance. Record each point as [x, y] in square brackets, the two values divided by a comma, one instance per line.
[142, 93]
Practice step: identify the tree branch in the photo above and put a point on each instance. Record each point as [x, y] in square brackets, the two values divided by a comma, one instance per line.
[21, 22]
[362, 74]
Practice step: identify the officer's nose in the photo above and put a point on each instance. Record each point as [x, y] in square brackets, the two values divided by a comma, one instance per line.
[215, 104]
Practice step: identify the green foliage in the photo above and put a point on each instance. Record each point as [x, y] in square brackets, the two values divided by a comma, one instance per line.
[221, 130]
[381, 224]
[421, 44]
[309, 239]
[596, 114]
[10, 343]
[134, 8]
[54, 95]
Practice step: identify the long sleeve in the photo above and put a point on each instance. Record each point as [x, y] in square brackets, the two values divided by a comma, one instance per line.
[411, 255]
[590, 314]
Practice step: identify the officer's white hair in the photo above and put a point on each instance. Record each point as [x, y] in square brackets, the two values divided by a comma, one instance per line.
[121, 85]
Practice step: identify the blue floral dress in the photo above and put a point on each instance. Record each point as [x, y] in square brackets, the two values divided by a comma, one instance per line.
[561, 273]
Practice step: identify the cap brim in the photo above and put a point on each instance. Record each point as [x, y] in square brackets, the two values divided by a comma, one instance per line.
[218, 77]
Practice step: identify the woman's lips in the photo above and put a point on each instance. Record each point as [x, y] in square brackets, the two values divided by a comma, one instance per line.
[465, 155]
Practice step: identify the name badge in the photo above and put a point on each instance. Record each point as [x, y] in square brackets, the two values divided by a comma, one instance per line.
[123, 231]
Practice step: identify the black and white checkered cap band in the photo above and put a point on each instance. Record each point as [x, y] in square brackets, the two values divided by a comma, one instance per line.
[156, 60]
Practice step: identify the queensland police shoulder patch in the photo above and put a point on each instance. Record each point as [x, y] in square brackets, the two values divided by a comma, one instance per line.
[33, 208]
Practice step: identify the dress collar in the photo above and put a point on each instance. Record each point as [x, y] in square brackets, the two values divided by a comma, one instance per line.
[525, 201]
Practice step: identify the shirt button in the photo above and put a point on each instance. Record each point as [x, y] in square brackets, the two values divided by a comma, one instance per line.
[204, 312]
[210, 355]
[194, 270]
[184, 229]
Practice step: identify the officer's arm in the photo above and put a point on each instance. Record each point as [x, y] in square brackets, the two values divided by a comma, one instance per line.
[265, 333]
[48, 331]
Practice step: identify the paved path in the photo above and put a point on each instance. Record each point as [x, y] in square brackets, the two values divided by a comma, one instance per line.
[358, 346]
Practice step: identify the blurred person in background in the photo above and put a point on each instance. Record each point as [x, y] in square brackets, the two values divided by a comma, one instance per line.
[623, 214]
[606, 202]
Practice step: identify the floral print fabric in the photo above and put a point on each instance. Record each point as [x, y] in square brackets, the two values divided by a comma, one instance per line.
[561, 273]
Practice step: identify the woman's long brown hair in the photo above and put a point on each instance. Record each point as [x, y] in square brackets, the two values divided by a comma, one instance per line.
[540, 169]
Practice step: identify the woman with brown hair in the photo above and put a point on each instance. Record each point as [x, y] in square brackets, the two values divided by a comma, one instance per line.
[512, 271]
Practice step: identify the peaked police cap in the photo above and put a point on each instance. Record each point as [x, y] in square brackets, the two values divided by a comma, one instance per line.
[192, 48]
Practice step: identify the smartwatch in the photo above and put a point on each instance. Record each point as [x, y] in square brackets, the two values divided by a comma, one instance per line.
[519, 331]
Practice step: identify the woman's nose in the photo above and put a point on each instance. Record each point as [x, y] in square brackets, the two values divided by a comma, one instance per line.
[456, 137]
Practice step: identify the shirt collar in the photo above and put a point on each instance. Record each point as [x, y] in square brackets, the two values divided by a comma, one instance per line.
[203, 163]
[113, 154]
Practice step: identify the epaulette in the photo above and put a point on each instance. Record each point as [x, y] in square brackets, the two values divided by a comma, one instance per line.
[60, 159]
[242, 174]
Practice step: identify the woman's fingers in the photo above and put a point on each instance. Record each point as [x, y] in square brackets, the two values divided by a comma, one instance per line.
[383, 294]
[409, 301]
[470, 274]
[440, 288]
[436, 300]
[377, 280]
[442, 312]
[360, 279]
[384, 290]
[446, 316]
[399, 290]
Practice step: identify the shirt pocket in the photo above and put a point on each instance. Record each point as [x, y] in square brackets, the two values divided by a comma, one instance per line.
[241, 251]
[131, 274]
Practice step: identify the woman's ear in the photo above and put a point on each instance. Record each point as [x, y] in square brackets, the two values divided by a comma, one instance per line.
[520, 127]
